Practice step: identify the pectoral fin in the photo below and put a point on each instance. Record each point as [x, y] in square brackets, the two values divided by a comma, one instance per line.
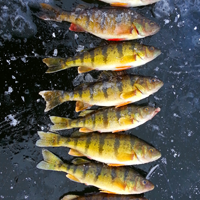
[74, 152]
[83, 69]
[81, 106]
[73, 178]
[125, 121]
[124, 157]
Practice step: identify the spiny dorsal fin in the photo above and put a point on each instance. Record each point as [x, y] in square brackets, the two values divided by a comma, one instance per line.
[85, 112]
[80, 161]
[110, 74]
[69, 197]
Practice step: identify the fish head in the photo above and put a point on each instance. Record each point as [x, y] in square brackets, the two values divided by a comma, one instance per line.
[142, 185]
[149, 154]
[144, 27]
[148, 112]
[148, 85]
[146, 53]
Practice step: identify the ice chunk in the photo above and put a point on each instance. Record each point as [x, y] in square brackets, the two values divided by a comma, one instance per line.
[78, 80]
[89, 78]
[10, 90]
[13, 121]
[55, 52]
[80, 48]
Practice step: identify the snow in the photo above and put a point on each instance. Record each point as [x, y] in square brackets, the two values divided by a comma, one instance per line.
[10, 90]
[10, 118]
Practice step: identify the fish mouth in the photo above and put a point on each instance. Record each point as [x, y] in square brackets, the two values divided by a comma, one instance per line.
[157, 110]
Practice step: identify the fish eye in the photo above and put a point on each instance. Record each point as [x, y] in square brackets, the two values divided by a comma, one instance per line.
[154, 80]
[151, 150]
[144, 182]
[146, 109]
[151, 48]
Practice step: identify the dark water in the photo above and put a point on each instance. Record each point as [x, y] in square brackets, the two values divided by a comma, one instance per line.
[25, 40]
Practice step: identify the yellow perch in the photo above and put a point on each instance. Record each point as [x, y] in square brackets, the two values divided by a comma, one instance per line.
[117, 180]
[130, 3]
[107, 119]
[114, 24]
[102, 196]
[116, 89]
[114, 149]
[114, 56]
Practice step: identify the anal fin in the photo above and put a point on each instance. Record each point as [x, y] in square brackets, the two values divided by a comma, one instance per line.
[115, 165]
[76, 28]
[73, 178]
[122, 68]
[85, 130]
[123, 104]
[106, 191]
[74, 152]
[119, 4]
[116, 39]
[83, 69]
[81, 106]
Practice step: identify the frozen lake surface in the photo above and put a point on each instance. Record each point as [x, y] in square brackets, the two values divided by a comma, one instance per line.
[25, 40]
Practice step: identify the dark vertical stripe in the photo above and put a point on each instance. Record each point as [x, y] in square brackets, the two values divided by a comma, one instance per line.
[74, 168]
[129, 107]
[98, 172]
[84, 121]
[81, 57]
[91, 91]
[113, 173]
[103, 17]
[88, 18]
[132, 80]
[120, 85]
[75, 141]
[116, 146]
[93, 121]
[88, 141]
[126, 172]
[86, 167]
[102, 142]
[80, 92]
[105, 118]
[105, 53]
[118, 113]
[92, 56]
[104, 88]
[120, 49]
[68, 167]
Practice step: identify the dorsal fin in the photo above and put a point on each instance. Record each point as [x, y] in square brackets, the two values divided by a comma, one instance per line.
[85, 112]
[110, 74]
[80, 161]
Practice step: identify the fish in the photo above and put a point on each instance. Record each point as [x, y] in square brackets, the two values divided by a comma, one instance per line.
[114, 180]
[113, 56]
[114, 149]
[114, 24]
[109, 119]
[112, 89]
[102, 196]
[130, 3]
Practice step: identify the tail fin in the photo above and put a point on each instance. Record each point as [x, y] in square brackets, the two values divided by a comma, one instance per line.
[55, 64]
[54, 98]
[49, 12]
[60, 123]
[51, 162]
[50, 140]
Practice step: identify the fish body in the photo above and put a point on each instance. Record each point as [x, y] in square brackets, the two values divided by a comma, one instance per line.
[109, 148]
[115, 90]
[102, 196]
[130, 3]
[114, 56]
[109, 119]
[118, 180]
[107, 23]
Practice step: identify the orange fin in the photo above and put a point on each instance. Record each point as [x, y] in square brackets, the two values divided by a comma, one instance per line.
[116, 39]
[85, 130]
[118, 131]
[73, 178]
[74, 152]
[83, 69]
[76, 28]
[119, 4]
[122, 68]
[106, 191]
[115, 165]
[123, 104]
[125, 121]
[81, 106]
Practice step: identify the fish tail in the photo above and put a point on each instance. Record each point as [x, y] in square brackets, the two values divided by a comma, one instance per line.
[60, 123]
[50, 140]
[53, 13]
[51, 162]
[56, 64]
[54, 98]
